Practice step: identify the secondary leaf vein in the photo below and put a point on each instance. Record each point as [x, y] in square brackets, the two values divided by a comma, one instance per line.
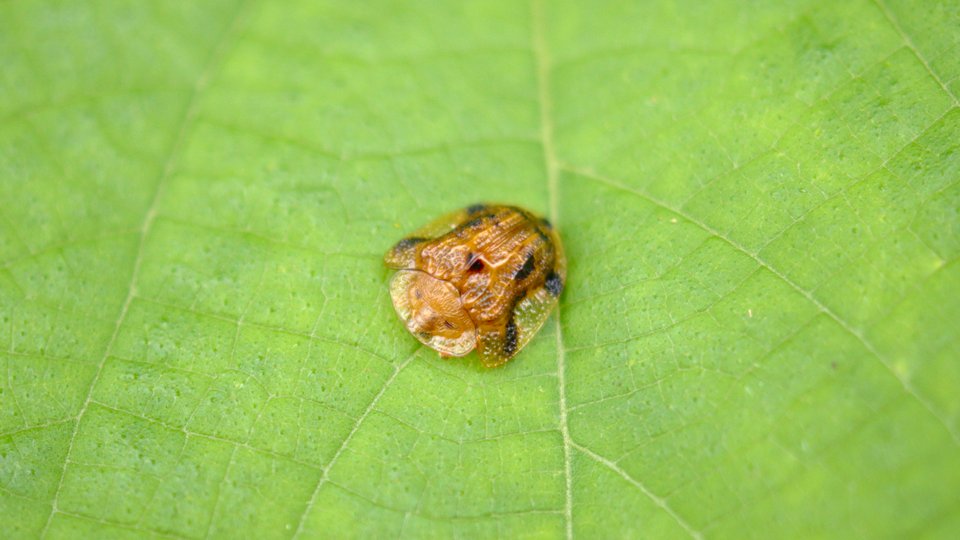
[189, 116]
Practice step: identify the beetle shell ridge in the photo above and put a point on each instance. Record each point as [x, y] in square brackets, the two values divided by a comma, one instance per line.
[485, 277]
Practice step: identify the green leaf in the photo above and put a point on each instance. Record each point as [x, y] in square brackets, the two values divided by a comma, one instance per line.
[759, 204]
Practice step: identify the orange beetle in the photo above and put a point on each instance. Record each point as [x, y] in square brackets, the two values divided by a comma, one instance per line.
[485, 277]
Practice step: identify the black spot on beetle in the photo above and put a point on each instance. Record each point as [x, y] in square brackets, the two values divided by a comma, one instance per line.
[526, 269]
[546, 223]
[474, 263]
[475, 221]
[476, 208]
[510, 338]
[554, 284]
[408, 243]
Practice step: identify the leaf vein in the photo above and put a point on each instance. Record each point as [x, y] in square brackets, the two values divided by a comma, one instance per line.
[659, 501]
[542, 61]
[882, 6]
[905, 383]
[190, 111]
[325, 474]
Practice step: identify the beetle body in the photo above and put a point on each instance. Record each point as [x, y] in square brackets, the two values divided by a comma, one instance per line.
[485, 277]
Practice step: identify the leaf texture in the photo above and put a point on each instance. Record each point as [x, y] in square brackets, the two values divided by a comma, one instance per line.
[759, 203]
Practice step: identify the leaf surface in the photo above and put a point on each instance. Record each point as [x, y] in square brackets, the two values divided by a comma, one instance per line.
[759, 206]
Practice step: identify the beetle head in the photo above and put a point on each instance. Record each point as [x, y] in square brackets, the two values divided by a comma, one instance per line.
[431, 310]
